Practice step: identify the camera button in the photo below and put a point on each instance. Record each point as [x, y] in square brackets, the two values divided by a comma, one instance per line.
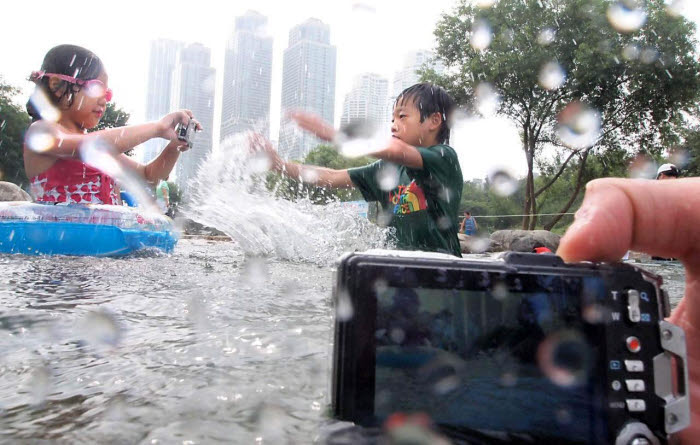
[635, 385]
[636, 405]
[616, 385]
[633, 344]
[633, 306]
[634, 365]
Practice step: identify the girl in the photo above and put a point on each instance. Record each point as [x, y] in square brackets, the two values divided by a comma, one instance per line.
[70, 97]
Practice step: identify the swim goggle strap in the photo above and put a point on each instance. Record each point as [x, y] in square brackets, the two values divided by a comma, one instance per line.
[93, 87]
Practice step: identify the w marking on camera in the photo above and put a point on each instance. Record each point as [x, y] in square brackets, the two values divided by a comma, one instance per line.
[615, 316]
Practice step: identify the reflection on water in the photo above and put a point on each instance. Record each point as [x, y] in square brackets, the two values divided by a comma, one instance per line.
[211, 348]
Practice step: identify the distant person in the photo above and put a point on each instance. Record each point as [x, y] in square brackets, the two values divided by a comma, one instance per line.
[72, 91]
[423, 201]
[618, 215]
[469, 226]
[668, 171]
[163, 195]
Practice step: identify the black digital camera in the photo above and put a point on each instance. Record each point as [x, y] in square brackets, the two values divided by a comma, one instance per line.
[186, 133]
[524, 349]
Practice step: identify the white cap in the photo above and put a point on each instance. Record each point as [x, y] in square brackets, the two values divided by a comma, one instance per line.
[667, 168]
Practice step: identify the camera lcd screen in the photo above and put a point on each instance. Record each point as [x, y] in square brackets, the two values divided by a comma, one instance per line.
[512, 356]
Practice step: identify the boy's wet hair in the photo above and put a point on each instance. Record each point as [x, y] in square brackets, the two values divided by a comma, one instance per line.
[429, 99]
[71, 60]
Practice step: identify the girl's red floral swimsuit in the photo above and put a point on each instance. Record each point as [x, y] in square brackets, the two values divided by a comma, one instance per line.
[69, 181]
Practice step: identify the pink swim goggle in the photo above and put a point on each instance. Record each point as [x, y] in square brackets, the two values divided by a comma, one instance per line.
[93, 87]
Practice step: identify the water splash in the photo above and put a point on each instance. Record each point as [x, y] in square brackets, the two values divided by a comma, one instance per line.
[578, 125]
[626, 15]
[552, 76]
[229, 195]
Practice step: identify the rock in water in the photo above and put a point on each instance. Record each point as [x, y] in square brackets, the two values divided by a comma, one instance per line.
[12, 192]
[523, 240]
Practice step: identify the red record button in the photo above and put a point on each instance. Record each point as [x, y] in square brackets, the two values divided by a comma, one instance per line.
[633, 344]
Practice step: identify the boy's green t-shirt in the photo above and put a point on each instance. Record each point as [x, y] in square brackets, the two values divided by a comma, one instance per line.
[424, 204]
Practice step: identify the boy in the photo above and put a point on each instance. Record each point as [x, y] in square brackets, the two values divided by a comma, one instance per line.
[423, 199]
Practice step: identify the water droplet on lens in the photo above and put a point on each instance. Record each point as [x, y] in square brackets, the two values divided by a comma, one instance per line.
[484, 4]
[40, 139]
[509, 379]
[397, 335]
[255, 271]
[642, 167]
[259, 163]
[546, 36]
[578, 125]
[649, 55]
[344, 310]
[679, 157]
[499, 291]
[388, 177]
[444, 223]
[44, 106]
[631, 52]
[502, 183]
[480, 37]
[40, 384]
[552, 76]
[565, 358]
[563, 416]
[627, 15]
[487, 99]
[676, 8]
[100, 328]
[478, 244]
[309, 175]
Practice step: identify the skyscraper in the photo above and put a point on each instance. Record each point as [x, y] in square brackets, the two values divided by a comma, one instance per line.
[193, 88]
[414, 61]
[366, 100]
[247, 77]
[160, 69]
[308, 83]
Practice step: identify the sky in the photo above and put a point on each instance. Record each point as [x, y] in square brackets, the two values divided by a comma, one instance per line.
[370, 36]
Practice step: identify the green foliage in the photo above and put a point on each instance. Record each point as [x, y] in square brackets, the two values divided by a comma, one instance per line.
[321, 156]
[691, 147]
[640, 101]
[14, 121]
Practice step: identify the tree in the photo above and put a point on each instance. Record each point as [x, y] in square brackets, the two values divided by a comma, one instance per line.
[14, 121]
[691, 148]
[571, 81]
[323, 155]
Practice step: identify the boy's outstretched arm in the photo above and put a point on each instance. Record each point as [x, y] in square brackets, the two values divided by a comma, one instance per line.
[396, 150]
[309, 174]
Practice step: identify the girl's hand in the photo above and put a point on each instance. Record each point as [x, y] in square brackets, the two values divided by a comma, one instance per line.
[314, 124]
[169, 123]
[259, 144]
